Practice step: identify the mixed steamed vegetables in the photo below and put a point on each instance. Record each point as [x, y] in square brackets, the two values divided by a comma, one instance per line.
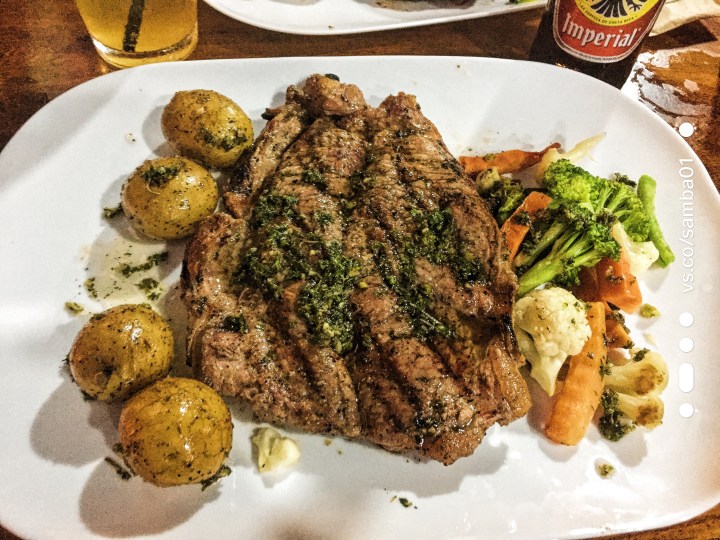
[579, 243]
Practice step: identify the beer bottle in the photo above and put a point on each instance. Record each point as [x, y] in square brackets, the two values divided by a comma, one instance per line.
[597, 37]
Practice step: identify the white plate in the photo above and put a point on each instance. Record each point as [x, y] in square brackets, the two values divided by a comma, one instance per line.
[69, 161]
[326, 17]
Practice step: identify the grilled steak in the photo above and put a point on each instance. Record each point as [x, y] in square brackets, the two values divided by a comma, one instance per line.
[357, 284]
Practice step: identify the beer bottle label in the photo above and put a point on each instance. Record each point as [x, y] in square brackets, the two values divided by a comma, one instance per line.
[603, 30]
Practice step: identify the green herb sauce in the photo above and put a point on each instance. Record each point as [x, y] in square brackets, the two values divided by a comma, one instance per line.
[235, 323]
[314, 178]
[110, 213]
[225, 141]
[158, 176]
[285, 253]
[153, 260]
[151, 288]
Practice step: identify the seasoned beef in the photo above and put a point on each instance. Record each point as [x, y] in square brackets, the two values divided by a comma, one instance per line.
[356, 284]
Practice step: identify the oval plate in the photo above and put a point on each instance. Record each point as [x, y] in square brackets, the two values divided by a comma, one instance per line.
[328, 17]
[69, 161]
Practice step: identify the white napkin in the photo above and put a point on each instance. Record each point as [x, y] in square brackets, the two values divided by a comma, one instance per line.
[678, 12]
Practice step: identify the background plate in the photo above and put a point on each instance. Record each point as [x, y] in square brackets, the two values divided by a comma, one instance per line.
[355, 16]
[69, 161]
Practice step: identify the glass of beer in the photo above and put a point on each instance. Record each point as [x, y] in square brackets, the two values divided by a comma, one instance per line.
[128, 33]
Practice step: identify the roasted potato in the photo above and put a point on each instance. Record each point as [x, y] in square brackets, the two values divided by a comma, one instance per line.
[176, 431]
[121, 351]
[206, 126]
[166, 198]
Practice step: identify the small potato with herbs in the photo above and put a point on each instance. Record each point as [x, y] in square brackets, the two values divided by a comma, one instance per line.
[166, 198]
[207, 126]
[176, 431]
[120, 351]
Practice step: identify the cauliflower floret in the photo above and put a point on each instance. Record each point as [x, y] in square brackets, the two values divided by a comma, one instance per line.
[550, 325]
[575, 154]
[640, 255]
[632, 394]
[646, 373]
[273, 450]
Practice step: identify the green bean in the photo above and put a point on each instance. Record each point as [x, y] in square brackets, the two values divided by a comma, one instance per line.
[646, 193]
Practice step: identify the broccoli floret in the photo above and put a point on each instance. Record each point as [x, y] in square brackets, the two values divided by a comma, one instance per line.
[634, 209]
[575, 230]
[574, 237]
[567, 182]
[646, 374]
[624, 203]
[502, 193]
[548, 226]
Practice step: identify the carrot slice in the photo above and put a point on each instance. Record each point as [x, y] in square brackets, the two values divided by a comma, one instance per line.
[587, 289]
[515, 229]
[579, 396]
[618, 336]
[508, 161]
[617, 285]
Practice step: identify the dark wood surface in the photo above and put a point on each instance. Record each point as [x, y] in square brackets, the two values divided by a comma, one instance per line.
[45, 51]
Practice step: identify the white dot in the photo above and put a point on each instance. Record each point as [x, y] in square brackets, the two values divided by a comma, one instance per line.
[686, 344]
[686, 410]
[686, 129]
[686, 319]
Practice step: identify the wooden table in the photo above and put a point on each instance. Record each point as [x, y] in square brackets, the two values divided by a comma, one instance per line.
[45, 51]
